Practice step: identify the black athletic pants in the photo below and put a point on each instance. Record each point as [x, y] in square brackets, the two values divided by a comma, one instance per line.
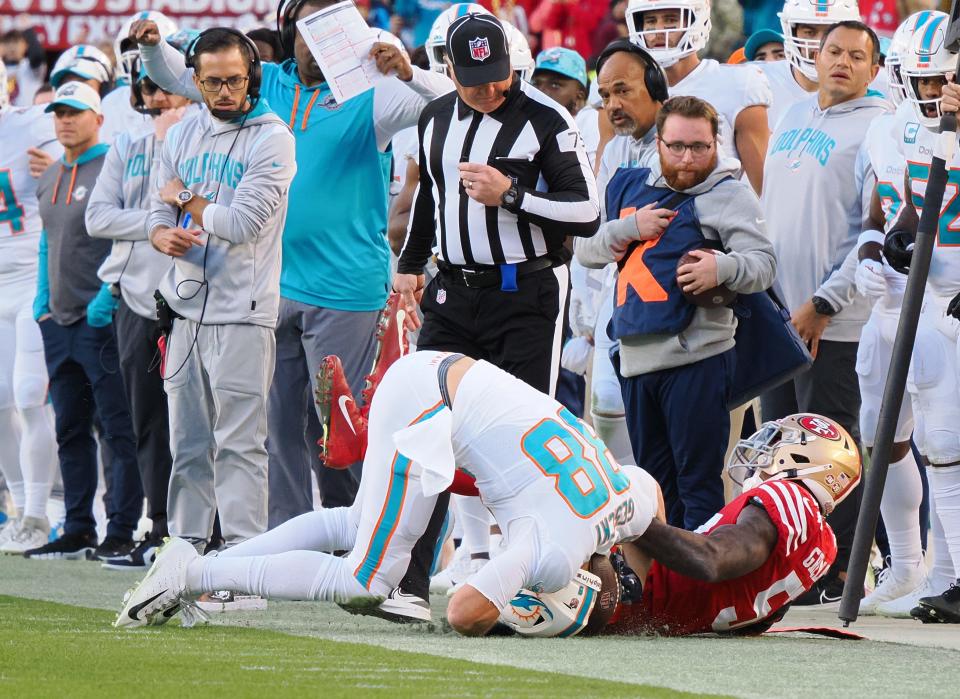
[140, 369]
[519, 331]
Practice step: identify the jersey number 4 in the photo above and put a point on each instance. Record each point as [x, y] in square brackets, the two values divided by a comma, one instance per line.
[12, 212]
[567, 451]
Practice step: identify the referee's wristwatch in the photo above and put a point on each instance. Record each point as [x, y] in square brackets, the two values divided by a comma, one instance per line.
[510, 199]
[823, 307]
[184, 197]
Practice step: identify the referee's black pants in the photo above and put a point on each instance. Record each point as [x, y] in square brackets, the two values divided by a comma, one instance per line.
[519, 331]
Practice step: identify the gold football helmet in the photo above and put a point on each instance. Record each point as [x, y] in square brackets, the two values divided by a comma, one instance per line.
[805, 447]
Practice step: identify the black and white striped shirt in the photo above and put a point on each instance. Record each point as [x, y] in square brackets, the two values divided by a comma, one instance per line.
[531, 138]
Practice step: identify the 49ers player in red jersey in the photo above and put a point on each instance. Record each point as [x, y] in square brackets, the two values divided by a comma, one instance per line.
[741, 569]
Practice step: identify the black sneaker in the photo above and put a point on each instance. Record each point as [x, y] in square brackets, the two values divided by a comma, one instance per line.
[825, 593]
[72, 547]
[139, 558]
[944, 608]
[113, 547]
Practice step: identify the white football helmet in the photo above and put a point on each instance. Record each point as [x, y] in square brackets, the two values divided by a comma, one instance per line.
[4, 87]
[808, 448]
[694, 23]
[563, 613]
[803, 52]
[521, 58]
[126, 50]
[436, 43]
[85, 61]
[927, 56]
[898, 46]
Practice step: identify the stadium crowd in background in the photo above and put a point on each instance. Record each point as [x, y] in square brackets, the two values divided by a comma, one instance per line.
[584, 193]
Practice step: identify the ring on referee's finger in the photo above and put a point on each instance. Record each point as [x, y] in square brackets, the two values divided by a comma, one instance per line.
[469, 184]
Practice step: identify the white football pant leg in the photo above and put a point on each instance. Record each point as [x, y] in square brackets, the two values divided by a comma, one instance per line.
[606, 399]
[9, 424]
[873, 364]
[38, 439]
[934, 381]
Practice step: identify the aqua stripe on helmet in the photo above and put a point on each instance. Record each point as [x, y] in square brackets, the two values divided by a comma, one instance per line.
[581, 619]
[930, 31]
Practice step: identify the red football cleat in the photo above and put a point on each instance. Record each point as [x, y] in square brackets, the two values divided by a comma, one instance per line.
[344, 440]
[392, 343]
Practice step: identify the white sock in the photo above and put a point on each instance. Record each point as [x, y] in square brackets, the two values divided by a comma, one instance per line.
[475, 520]
[945, 489]
[294, 575]
[942, 574]
[38, 454]
[613, 432]
[320, 530]
[900, 507]
[10, 456]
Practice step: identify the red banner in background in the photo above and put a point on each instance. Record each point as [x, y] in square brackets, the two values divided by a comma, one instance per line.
[64, 23]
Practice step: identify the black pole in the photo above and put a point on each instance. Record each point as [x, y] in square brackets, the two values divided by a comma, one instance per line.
[902, 350]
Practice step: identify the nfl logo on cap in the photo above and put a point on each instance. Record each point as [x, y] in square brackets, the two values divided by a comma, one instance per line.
[480, 49]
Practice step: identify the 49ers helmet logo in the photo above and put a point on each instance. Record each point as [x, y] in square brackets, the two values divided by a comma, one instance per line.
[819, 427]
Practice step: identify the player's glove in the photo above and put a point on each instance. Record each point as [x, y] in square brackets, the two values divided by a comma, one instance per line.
[954, 308]
[576, 355]
[869, 278]
[898, 249]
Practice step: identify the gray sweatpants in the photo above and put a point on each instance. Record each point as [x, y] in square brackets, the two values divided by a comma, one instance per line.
[305, 335]
[217, 394]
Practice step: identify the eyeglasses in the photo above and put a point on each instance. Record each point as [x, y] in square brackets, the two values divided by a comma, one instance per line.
[233, 83]
[150, 88]
[699, 149]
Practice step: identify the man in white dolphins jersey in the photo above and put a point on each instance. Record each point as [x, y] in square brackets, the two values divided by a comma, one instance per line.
[935, 369]
[27, 452]
[877, 280]
[544, 475]
[673, 31]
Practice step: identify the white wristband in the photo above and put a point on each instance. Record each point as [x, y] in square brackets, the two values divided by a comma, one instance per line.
[870, 237]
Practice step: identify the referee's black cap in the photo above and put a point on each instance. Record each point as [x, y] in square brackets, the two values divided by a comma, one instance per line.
[477, 47]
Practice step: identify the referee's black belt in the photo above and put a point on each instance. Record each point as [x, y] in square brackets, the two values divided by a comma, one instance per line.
[485, 276]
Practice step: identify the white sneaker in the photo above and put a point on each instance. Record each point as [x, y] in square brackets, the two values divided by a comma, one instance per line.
[226, 601]
[158, 597]
[32, 533]
[8, 529]
[403, 608]
[471, 567]
[900, 607]
[889, 588]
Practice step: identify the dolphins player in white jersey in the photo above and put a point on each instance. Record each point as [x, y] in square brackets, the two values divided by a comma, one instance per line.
[926, 68]
[27, 441]
[549, 482]
[877, 280]
[119, 116]
[803, 24]
[673, 31]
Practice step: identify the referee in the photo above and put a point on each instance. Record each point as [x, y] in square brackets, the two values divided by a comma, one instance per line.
[504, 178]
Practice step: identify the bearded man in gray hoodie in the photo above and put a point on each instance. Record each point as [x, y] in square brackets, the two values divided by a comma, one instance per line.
[225, 174]
[677, 360]
[817, 187]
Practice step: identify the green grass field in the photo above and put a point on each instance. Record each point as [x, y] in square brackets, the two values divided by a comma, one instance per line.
[56, 640]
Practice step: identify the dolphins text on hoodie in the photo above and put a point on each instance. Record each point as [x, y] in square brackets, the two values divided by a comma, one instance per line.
[244, 167]
[817, 184]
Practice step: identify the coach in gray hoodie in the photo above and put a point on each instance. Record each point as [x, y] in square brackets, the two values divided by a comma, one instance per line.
[677, 360]
[817, 185]
[224, 176]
